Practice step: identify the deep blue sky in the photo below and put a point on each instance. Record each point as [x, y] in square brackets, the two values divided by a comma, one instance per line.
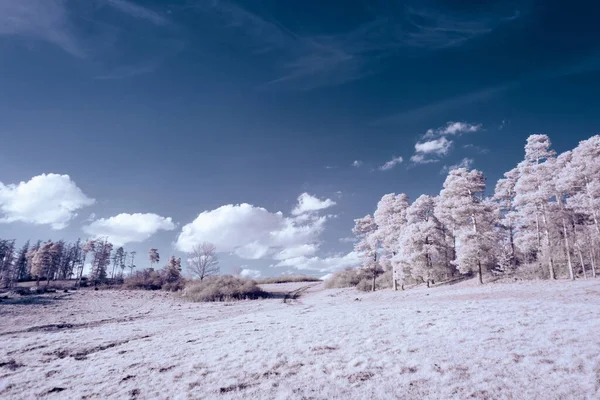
[179, 107]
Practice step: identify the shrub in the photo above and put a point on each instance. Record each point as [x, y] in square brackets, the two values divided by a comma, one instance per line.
[347, 278]
[223, 288]
[150, 279]
[287, 279]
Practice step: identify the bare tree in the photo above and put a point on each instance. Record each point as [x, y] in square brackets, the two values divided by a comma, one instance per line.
[203, 261]
[131, 266]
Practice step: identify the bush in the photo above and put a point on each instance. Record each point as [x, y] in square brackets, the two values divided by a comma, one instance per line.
[150, 279]
[287, 279]
[347, 278]
[223, 288]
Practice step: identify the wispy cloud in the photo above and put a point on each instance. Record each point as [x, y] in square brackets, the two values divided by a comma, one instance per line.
[478, 149]
[420, 158]
[45, 20]
[464, 163]
[357, 163]
[431, 29]
[312, 61]
[137, 11]
[391, 164]
[445, 105]
[451, 129]
[75, 27]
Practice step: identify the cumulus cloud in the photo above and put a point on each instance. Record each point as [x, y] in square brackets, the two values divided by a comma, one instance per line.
[357, 163]
[452, 128]
[439, 146]
[47, 199]
[322, 264]
[250, 273]
[252, 232]
[308, 203]
[128, 228]
[391, 164]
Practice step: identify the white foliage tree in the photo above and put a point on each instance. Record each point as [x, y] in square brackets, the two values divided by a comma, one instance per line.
[421, 242]
[368, 242]
[462, 199]
[532, 195]
[390, 218]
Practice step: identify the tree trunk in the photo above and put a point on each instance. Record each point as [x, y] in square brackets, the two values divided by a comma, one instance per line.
[395, 284]
[568, 250]
[582, 264]
[547, 233]
[593, 259]
[374, 276]
[479, 273]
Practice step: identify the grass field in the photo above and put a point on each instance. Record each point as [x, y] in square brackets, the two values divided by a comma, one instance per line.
[498, 341]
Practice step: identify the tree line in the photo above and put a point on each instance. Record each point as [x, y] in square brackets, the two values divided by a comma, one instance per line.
[542, 219]
[59, 260]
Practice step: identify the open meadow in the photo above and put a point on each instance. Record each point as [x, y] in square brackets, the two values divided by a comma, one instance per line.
[499, 341]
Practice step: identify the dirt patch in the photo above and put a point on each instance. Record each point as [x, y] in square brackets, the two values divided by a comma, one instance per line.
[11, 365]
[234, 388]
[360, 377]
[82, 355]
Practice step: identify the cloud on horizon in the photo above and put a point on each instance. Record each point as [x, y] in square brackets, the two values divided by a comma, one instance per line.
[46, 199]
[128, 228]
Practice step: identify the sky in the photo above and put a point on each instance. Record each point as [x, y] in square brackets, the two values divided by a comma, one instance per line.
[267, 127]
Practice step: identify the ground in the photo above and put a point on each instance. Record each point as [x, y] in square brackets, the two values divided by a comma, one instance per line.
[499, 341]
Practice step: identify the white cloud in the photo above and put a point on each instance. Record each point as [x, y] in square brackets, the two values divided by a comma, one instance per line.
[47, 199]
[250, 273]
[357, 163]
[439, 146]
[323, 264]
[250, 232]
[464, 163]
[421, 159]
[128, 228]
[308, 203]
[391, 164]
[297, 251]
[452, 128]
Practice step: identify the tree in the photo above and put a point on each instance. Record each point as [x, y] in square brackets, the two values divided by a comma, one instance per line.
[505, 196]
[118, 260]
[203, 261]
[131, 265]
[88, 247]
[390, 218]
[421, 242]
[21, 268]
[101, 261]
[532, 195]
[366, 231]
[42, 261]
[462, 199]
[7, 270]
[173, 270]
[154, 257]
